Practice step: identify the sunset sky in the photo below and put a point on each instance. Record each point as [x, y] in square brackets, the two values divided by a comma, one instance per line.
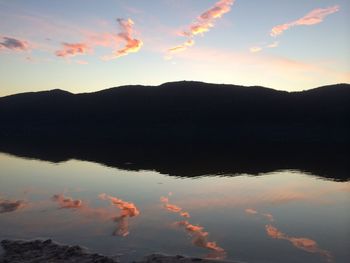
[89, 45]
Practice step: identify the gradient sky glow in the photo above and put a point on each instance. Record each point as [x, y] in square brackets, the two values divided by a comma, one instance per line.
[89, 45]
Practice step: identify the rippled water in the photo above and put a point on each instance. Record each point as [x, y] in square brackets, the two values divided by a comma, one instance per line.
[284, 216]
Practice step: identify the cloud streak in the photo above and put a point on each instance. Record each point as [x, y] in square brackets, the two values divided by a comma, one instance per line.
[203, 24]
[316, 16]
[13, 44]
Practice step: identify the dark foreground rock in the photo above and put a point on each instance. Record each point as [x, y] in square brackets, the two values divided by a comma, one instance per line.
[47, 251]
[40, 251]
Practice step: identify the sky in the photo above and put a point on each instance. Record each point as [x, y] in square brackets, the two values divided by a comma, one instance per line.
[89, 45]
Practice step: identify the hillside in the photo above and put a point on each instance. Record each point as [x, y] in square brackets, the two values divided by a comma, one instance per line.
[181, 112]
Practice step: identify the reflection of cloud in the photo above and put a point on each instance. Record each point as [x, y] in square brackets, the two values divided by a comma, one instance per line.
[203, 23]
[173, 208]
[302, 243]
[314, 17]
[72, 49]
[251, 211]
[127, 210]
[13, 44]
[200, 239]
[7, 206]
[199, 236]
[67, 202]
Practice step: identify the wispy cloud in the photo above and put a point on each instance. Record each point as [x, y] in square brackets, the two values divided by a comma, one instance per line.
[13, 44]
[73, 49]
[203, 24]
[108, 40]
[316, 16]
[255, 49]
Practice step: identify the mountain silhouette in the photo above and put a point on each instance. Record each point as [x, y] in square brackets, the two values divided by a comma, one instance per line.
[182, 112]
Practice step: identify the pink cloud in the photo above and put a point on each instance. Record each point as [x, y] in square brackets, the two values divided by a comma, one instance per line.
[314, 17]
[73, 49]
[13, 44]
[203, 23]
[132, 45]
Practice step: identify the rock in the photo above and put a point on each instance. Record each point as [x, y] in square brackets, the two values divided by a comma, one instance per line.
[160, 258]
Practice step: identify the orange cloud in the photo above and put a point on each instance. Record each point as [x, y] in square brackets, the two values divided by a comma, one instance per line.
[13, 44]
[203, 23]
[67, 202]
[302, 243]
[7, 206]
[314, 17]
[72, 49]
[127, 210]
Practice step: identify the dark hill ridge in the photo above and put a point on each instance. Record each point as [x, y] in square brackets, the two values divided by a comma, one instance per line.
[181, 112]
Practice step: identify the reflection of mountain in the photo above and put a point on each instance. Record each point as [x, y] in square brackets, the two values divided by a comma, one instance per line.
[184, 128]
[188, 161]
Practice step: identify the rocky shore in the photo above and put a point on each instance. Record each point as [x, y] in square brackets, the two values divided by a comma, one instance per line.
[48, 251]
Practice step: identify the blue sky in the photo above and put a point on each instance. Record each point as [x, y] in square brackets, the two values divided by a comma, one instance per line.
[79, 46]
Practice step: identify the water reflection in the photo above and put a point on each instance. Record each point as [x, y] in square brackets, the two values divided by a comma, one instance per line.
[295, 217]
[199, 236]
[127, 210]
[67, 202]
[7, 206]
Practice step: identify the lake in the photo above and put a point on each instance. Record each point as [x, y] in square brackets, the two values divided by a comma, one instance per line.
[279, 216]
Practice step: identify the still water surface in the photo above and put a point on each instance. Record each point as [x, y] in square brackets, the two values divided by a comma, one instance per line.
[284, 216]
